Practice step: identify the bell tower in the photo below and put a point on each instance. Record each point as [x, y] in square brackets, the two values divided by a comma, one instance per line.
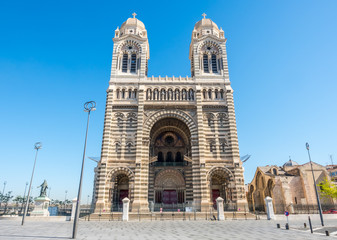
[131, 50]
[208, 50]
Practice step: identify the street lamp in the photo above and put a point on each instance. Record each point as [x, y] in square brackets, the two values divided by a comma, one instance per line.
[88, 107]
[3, 191]
[24, 195]
[37, 146]
[313, 176]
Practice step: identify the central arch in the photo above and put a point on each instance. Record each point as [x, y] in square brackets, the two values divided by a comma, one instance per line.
[170, 154]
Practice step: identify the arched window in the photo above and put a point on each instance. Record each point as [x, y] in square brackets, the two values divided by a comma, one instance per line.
[214, 66]
[123, 93]
[130, 93]
[221, 94]
[133, 63]
[169, 157]
[117, 94]
[210, 94]
[274, 171]
[177, 95]
[204, 94]
[211, 146]
[205, 61]
[184, 94]
[125, 63]
[135, 93]
[160, 157]
[216, 94]
[179, 157]
[129, 145]
[117, 147]
[222, 147]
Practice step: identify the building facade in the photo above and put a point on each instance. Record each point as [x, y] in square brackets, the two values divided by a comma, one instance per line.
[169, 140]
[291, 187]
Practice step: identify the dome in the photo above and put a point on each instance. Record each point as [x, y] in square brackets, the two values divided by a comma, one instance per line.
[290, 163]
[206, 27]
[132, 26]
[206, 23]
[133, 22]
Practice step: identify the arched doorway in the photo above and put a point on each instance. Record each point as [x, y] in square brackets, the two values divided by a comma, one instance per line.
[169, 188]
[120, 191]
[170, 167]
[220, 185]
[121, 186]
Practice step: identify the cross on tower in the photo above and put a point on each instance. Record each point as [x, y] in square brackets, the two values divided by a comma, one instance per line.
[204, 15]
[134, 15]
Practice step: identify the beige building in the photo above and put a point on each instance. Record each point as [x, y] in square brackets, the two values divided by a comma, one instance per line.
[169, 140]
[291, 187]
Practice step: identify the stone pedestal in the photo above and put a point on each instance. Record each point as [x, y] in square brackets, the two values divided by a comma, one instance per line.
[73, 209]
[151, 205]
[269, 208]
[126, 203]
[41, 207]
[219, 205]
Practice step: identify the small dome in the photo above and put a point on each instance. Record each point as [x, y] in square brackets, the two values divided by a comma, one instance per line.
[133, 23]
[206, 23]
[290, 163]
[206, 27]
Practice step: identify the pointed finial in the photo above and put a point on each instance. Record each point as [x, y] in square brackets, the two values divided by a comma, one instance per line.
[204, 15]
[134, 15]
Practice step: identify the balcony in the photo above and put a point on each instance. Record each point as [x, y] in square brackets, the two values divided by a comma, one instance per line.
[169, 164]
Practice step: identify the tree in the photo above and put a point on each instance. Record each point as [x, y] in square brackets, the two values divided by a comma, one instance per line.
[328, 189]
[18, 199]
[5, 198]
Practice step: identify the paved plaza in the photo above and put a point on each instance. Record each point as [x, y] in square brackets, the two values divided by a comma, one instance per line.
[229, 229]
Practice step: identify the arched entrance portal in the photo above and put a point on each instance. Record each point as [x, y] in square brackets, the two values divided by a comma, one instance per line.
[170, 169]
[169, 187]
[220, 180]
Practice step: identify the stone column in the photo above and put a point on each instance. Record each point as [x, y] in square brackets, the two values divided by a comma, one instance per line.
[219, 204]
[269, 208]
[126, 203]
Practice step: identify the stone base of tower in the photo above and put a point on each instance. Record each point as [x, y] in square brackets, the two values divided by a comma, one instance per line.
[141, 206]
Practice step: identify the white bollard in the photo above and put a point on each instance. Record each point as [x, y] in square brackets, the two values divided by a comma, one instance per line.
[73, 209]
[269, 208]
[126, 203]
[219, 205]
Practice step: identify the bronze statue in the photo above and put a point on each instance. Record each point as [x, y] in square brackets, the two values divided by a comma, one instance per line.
[43, 191]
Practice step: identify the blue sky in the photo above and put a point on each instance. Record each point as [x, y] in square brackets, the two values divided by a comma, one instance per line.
[55, 55]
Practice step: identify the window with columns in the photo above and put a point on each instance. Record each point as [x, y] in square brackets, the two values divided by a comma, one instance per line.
[127, 94]
[129, 59]
[211, 58]
[170, 94]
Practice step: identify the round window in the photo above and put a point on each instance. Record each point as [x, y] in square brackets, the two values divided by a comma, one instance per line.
[169, 140]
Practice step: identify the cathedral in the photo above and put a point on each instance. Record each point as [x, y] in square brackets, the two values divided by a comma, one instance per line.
[169, 143]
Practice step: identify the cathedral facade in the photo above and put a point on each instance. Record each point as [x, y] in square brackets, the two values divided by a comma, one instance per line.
[169, 141]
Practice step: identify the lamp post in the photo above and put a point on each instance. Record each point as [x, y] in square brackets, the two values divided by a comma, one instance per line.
[37, 146]
[313, 176]
[88, 107]
[24, 195]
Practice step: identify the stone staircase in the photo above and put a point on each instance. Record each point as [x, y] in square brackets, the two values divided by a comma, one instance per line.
[173, 216]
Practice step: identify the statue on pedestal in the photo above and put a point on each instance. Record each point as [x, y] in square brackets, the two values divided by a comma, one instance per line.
[43, 191]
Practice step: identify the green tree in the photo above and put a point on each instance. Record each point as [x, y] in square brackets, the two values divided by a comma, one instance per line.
[5, 198]
[328, 189]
